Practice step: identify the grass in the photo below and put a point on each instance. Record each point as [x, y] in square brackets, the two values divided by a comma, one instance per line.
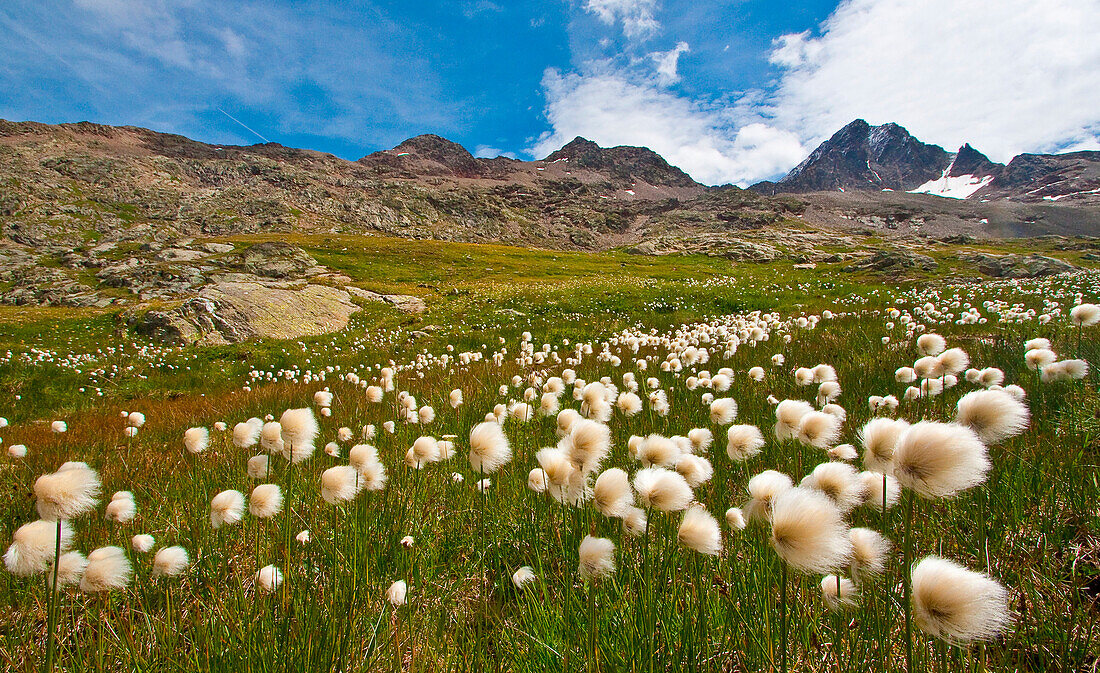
[1032, 525]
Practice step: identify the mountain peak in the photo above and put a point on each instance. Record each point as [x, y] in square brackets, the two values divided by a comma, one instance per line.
[431, 154]
[864, 157]
[624, 161]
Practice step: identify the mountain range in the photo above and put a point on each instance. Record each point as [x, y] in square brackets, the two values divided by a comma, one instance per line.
[887, 158]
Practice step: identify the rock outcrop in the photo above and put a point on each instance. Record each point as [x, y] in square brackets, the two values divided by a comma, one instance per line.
[239, 310]
[1019, 266]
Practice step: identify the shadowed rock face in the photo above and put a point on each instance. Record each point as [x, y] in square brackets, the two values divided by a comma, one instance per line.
[861, 156]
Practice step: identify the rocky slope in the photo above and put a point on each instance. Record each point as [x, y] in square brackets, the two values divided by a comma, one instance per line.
[95, 215]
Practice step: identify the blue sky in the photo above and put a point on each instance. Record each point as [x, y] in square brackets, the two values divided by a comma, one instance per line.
[732, 91]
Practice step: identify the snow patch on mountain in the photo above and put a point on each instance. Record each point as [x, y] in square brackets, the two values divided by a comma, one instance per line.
[953, 186]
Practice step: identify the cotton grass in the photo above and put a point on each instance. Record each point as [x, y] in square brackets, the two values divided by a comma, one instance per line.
[957, 605]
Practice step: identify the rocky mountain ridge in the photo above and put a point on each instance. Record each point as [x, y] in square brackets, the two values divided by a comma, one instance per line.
[862, 157]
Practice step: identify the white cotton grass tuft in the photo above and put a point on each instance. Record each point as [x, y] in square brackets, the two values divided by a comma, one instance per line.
[266, 501]
[953, 360]
[1037, 358]
[658, 450]
[455, 398]
[588, 444]
[1085, 315]
[735, 518]
[59, 427]
[993, 414]
[537, 480]
[957, 605]
[839, 593]
[938, 460]
[843, 452]
[340, 484]
[170, 562]
[397, 593]
[121, 510]
[299, 432]
[247, 433]
[869, 552]
[424, 450]
[701, 439]
[107, 569]
[17, 450]
[489, 448]
[226, 508]
[195, 440]
[135, 419]
[696, 470]
[565, 420]
[819, 429]
[839, 481]
[70, 570]
[905, 375]
[142, 543]
[634, 521]
[723, 411]
[763, 488]
[612, 494]
[991, 376]
[271, 437]
[879, 437]
[33, 546]
[931, 344]
[662, 489]
[928, 367]
[66, 494]
[1038, 342]
[808, 531]
[699, 530]
[523, 576]
[873, 485]
[269, 578]
[595, 558]
[743, 442]
[788, 416]
[258, 467]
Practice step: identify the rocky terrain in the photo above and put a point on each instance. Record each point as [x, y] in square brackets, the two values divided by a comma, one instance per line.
[96, 216]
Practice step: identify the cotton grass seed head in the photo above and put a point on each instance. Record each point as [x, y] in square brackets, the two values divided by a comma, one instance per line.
[226, 508]
[957, 605]
[170, 562]
[66, 494]
[269, 578]
[33, 546]
[489, 448]
[931, 344]
[662, 489]
[340, 484]
[195, 440]
[70, 570]
[1085, 315]
[108, 569]
[299, 432]
[839, 481]
[873, 485]
[938, 460]
[808, 531]
[142, 543]
[743, 442]
[596, 558]
[869, 551]
[879, 437]
[699, 531]
[723, 411]
[993, 414]
[523, 576]
[266, 501]
[612, 494]
[839, 593]
[818, 429]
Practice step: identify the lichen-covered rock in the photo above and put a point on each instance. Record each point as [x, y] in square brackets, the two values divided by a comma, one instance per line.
[275, 259]
[1020, 266]
[234, 311]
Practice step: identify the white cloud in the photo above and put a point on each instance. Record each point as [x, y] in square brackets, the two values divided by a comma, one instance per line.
[1008, 76]
[488, 152]
[668, 62]
[708, 141]
[636, 16]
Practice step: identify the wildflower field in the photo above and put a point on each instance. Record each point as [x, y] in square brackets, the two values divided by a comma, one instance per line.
[570, 462]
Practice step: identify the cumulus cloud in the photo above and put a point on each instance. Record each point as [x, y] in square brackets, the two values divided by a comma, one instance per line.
[1008, 76]
[668, 62]
[636, 16]
[709, 141]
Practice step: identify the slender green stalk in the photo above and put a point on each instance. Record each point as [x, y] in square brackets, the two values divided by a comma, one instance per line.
[907, 581]
[52, 604]
[784, 616]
